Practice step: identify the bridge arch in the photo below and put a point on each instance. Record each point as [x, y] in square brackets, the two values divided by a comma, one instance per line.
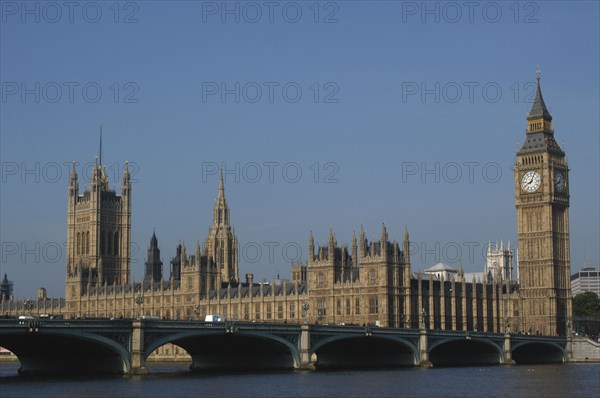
[532, 352]
[464, 352]
[53, 352]
[241, 350]
[360, 351]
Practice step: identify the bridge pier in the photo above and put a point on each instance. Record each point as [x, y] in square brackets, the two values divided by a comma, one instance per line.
[569, 347]
[138, 359]
[305, 357]
[424, 350]
[507, 360]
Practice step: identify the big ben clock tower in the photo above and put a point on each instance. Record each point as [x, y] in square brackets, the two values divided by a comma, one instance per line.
[542, 201]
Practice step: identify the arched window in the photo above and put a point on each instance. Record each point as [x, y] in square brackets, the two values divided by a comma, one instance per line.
[87, 242]
[78, 243]
[102, 242]
[116, 244]
[109, 242]
[321, 278]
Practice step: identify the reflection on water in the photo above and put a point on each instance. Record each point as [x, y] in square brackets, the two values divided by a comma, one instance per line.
[175, 380]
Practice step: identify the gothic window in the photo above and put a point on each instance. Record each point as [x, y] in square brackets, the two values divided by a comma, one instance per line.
[102, 242]
[321, 278]
[373, 305]
[246, 312]
[338, 307]
[116, 244]
[292, 311]
[109, 242]
[78, 240]
[373, 275]
[257, 312]
[321, 308]
[87, 242]
[347, 306]
[269, 311]
[357, 306]
[280, 310]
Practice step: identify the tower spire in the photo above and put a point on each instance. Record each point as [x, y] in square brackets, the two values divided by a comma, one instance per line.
[221, 186]
[100, 154]
[221, 210]
[539, 109]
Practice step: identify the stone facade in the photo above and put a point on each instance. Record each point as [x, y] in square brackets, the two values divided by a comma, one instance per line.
[98, 235]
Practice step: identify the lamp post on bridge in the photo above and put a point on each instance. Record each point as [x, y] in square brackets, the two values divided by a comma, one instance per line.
[305, 308]
[139, 300]
[506, 325]
[28, 306]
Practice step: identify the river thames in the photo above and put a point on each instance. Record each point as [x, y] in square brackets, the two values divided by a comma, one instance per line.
[174, 380]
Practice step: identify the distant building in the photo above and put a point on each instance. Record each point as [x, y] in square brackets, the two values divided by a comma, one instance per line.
[586, 280]
[499, 262]
[6, 288]
[498, 267]
[441, 270]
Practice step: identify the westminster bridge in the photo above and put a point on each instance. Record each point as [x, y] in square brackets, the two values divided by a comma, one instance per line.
[45, 346]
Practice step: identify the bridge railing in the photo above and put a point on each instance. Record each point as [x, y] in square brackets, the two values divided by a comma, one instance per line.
[61, 323]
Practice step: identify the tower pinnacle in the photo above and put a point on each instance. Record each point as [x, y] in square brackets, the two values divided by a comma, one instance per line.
[100, 154]
[221, 186]
[221, 210]
[539, 109]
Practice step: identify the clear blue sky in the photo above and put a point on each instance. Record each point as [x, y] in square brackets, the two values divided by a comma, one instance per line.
[401, 90]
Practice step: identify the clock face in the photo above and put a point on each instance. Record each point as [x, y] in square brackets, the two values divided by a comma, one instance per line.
[530, 182]
[559, 181]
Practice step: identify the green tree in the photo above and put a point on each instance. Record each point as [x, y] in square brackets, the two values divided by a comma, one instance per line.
[586, 304]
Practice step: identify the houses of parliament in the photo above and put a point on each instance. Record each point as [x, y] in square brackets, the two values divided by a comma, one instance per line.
[369, 282]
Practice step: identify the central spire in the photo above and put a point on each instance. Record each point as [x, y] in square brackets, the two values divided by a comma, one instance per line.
[221, 244]
[221, 210]
[100, 155]
[221, 186]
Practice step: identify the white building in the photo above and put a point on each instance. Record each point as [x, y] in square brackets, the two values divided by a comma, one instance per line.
[586, 280]
[499, 263]
[498, 266]
[440, 270]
